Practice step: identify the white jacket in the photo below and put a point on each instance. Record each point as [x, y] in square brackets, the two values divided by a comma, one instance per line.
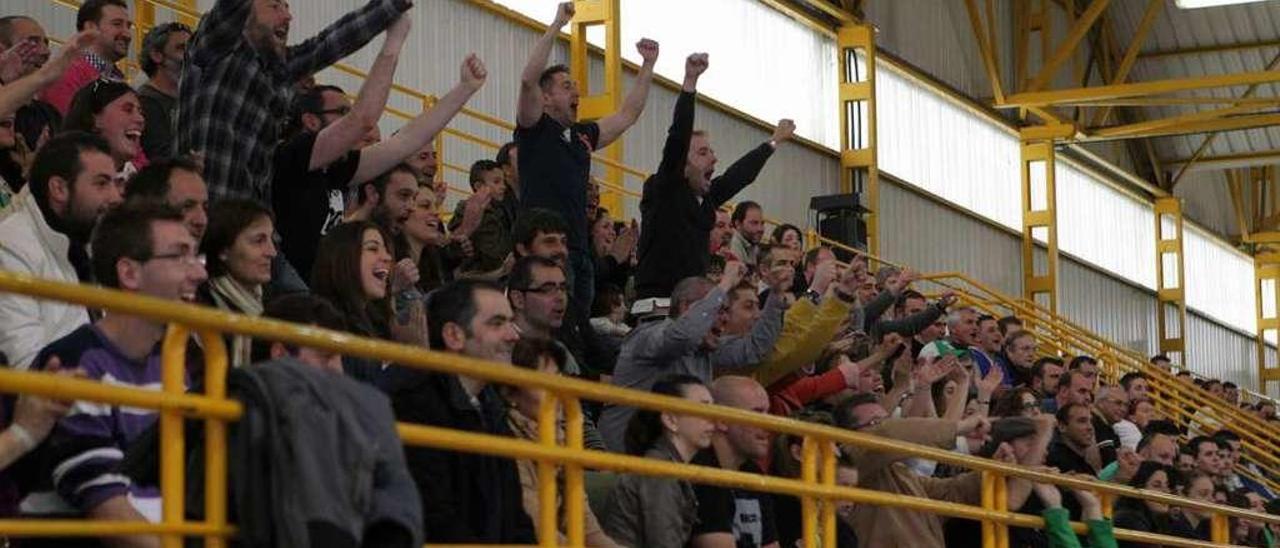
[29, 246]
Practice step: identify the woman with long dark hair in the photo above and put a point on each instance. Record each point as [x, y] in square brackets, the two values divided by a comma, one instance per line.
[653, 511]
[238, 251]
[112, 110]
[353, 271]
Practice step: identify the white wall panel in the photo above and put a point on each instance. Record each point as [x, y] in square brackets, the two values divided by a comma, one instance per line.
[1104, 226]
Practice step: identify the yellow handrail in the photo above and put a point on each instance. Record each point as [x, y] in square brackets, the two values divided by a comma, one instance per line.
[214, 407]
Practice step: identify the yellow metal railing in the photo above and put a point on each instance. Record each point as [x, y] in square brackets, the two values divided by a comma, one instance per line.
[816, 487]
[1066, 338]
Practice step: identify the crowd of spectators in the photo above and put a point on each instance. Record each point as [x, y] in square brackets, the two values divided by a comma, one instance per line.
[230, 179]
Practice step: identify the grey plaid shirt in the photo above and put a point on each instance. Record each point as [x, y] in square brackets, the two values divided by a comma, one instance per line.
[233, 100]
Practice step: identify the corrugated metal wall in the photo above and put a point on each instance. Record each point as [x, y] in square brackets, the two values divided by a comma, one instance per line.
[921, 231]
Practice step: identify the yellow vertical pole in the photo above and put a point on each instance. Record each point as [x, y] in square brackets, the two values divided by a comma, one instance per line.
[856, 51]
[1266, 287]
[1220, 529]
[215, 438]
[809, 475]
[828, 477]
[1038, 181]
[548, 530]
[593, 106]
[1170, 285]
[574, 488]
[173, 354]
[988, 502]
[144, 18]
[1001, 505]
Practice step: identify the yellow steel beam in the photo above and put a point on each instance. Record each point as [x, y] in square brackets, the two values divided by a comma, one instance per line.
[858, 154]
[1170, 283]
[1038, 167]
[1120, 91]
[1208, 140]
[1228, 161]
[606, 13]
[1237, 203]
[985, 47]
[1172, 121]
[1173, 101]
[838, 13]
[1068, 46]
[1131, 54]
[1203, 126]
[1158, 54]
[1266, 280]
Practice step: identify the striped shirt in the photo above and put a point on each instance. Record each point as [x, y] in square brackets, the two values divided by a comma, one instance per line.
[80, 459]
[233, 99]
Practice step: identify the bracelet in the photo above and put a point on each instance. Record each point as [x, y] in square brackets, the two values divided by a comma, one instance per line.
[23, 436]
[847, 298]
[773, 143]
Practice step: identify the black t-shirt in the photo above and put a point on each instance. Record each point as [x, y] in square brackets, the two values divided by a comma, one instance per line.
[747, 515]
[308, 204]
[158, 108]
[555, 167]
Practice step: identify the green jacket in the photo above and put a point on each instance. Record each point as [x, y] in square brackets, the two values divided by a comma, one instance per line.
[1057, 526]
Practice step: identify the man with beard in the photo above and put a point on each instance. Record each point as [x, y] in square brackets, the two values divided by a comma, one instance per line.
[45, 235]
[678, 210]
[161, 59]
[115, 32]
[239, 75]
[36, 120]
[466, 498]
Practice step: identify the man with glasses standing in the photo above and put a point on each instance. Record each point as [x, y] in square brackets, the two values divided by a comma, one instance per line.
[141, 248]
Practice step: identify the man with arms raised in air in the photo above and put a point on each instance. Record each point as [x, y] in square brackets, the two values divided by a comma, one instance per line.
[555, 149]
[680, 200]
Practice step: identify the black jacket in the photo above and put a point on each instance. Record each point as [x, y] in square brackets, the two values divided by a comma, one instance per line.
[674, 243]
[466, 498]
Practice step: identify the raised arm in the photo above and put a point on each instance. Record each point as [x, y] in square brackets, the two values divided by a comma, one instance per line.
[752, 349]
[613, 125]
[344, 37]
[378, 158]
[688, 330]
[676, 149]
[19, 92]
[340, 137]
[529, 103]
[747, 168]
[220, 29]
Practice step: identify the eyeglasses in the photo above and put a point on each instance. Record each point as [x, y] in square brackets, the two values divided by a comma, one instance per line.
[547, 289]
[1027, 406]
[186, 259]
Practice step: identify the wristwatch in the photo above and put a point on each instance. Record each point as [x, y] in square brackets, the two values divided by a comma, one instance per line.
[812, 295]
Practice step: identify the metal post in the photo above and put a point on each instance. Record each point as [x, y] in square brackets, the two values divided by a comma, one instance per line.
[828, 477]
[547, 526]
[1267, 300]
[809, 475]
[173, 352]
[215, 435]
[591, 106]
[1039, 219]
[856, 51]
[574, 487]
[1171, 300]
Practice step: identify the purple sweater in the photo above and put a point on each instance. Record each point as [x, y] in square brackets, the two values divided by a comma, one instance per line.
[82, 454]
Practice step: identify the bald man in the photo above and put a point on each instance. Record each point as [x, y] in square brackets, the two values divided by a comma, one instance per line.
[735, 517]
